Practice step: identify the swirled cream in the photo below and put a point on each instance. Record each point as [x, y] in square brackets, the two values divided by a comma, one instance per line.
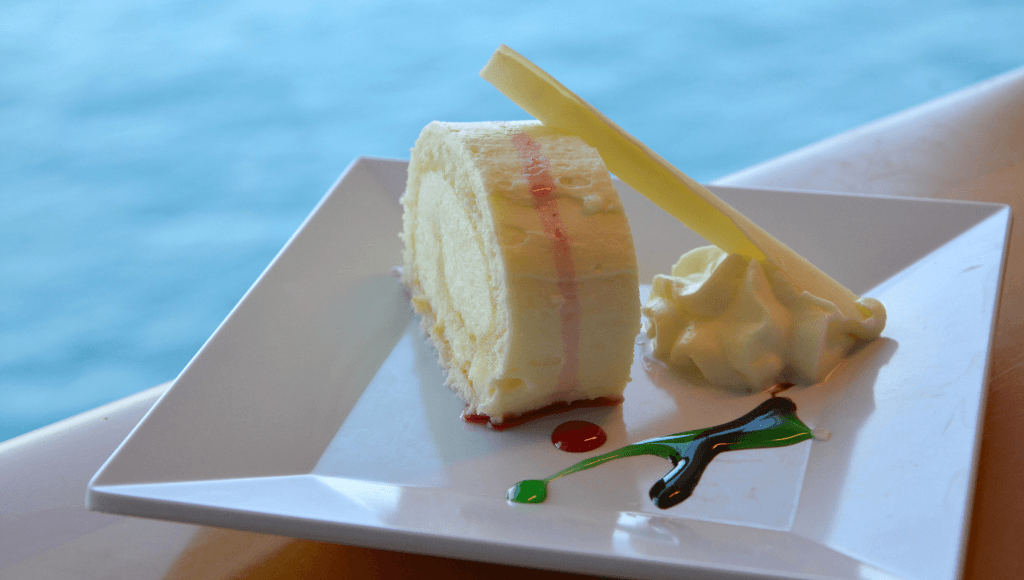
[743, 325]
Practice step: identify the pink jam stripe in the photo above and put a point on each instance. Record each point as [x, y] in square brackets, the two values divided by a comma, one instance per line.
[542, 186]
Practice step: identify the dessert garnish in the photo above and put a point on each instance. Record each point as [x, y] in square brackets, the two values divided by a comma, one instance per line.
[742, 325]
[578, 436]
[772, 424]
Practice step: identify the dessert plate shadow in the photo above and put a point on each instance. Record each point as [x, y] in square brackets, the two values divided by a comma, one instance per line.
[317, 410]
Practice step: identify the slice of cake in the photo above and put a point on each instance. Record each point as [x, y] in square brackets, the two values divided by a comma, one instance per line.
[519, 260]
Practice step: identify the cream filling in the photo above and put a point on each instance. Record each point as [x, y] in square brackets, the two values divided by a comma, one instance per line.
[453, 270]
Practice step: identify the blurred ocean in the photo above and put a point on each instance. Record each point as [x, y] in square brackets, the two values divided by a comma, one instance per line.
[155, 156]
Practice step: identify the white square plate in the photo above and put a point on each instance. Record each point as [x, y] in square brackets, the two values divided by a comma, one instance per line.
[317, 410]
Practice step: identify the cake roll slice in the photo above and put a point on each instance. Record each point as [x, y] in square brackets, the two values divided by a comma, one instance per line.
[520, 262]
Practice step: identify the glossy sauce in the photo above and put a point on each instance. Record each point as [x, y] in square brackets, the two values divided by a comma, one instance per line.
[772, 424]
[578, 436]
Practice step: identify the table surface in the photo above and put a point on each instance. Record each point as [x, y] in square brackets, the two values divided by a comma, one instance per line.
[968, 145]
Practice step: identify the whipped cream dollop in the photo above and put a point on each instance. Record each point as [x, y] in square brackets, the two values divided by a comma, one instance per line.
[742, 325]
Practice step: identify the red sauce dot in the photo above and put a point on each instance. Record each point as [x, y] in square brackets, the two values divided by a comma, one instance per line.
[578, 436]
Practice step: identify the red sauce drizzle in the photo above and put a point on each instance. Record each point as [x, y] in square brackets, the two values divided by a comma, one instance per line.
[542, 186]
[536, 170]
[578, 436]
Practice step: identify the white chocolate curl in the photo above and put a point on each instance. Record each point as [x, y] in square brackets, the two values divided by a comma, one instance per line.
[742, 325]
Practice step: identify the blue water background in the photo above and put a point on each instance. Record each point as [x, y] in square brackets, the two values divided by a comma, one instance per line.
[154, 156]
